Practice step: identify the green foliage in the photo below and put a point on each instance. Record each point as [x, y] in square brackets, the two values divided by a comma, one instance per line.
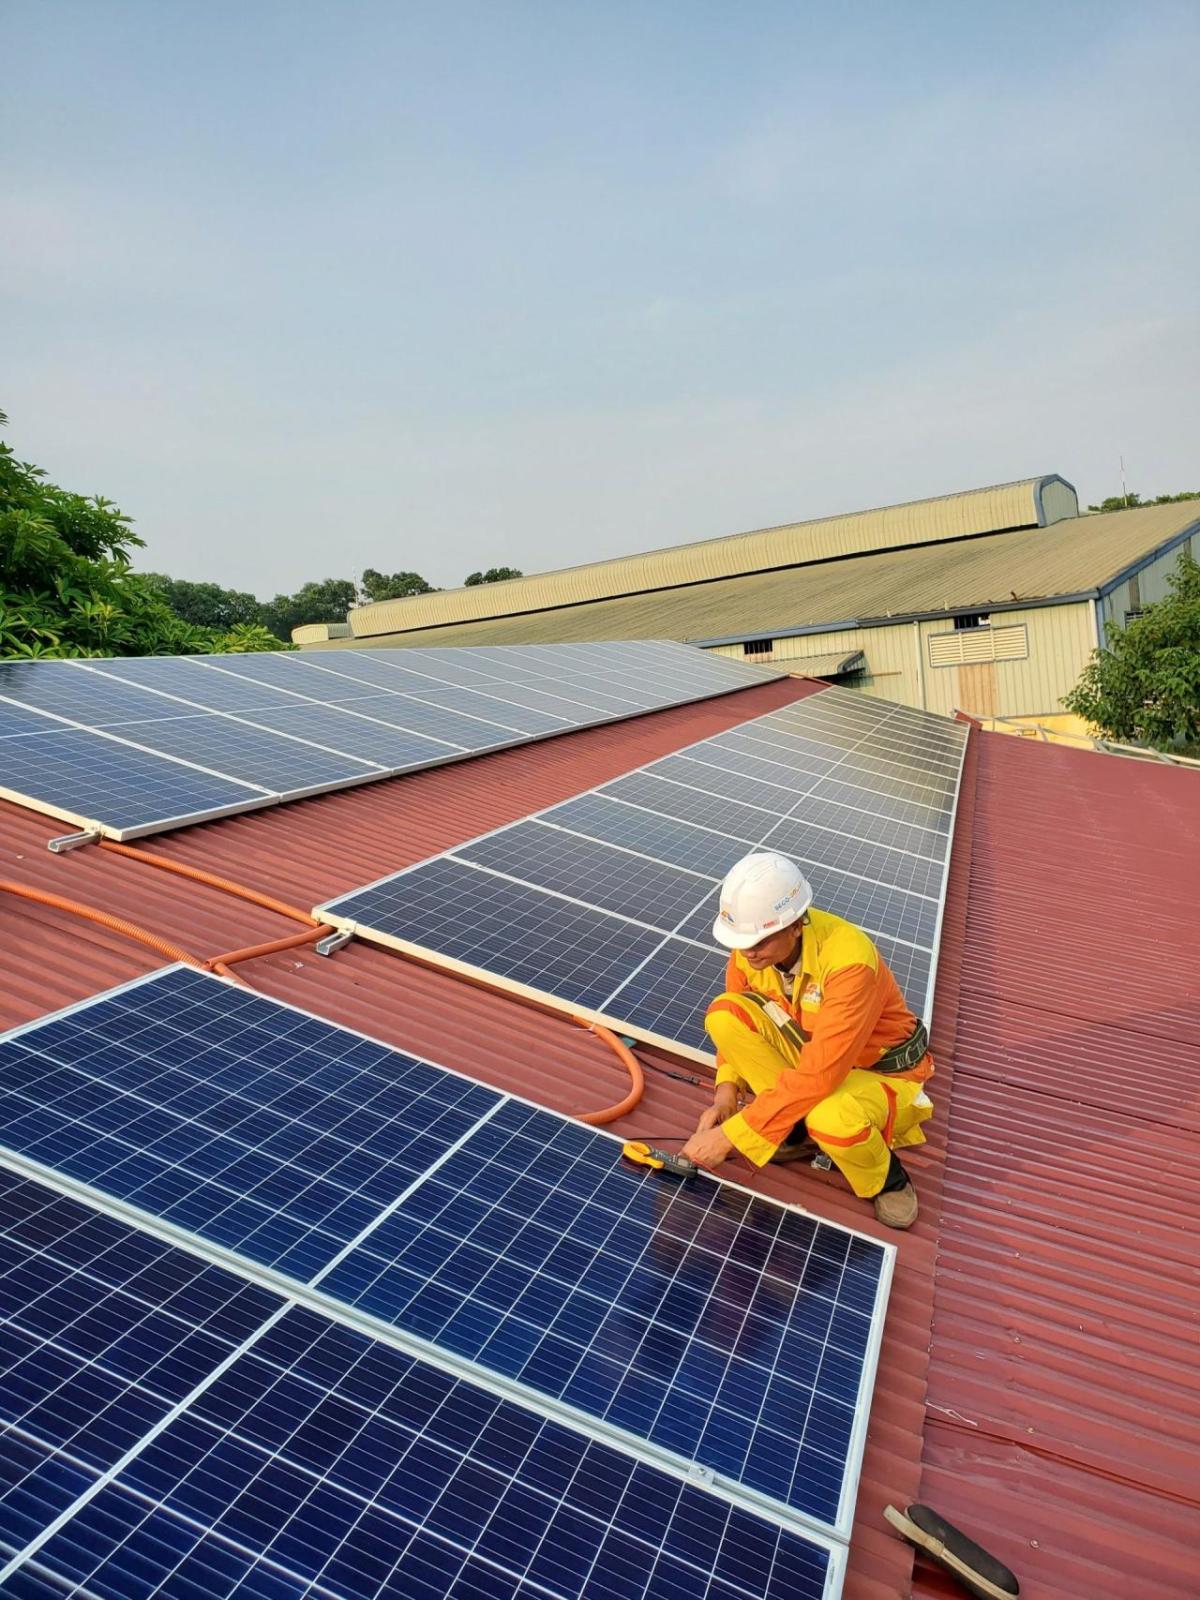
[1144, 687]
[1121, 502]
[207, 605]
[393, 586]
[66, 584]
[326, 601]
[492, 575]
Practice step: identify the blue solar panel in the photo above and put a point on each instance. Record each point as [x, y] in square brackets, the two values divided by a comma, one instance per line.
[403, 711]
[612, 880]
[250, 755]
[246, 1122]
[338, 729]
[601, 816]
[322, 1462]
[723, 1328]
[68, 690]
[526, 935]
[17, 720]
[197, 679]
[89, 778]
[103, 1330]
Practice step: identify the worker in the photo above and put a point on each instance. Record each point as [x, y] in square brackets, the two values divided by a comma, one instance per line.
[814, 1042]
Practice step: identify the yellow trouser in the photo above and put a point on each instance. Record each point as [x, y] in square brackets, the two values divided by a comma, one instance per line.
[866, 1116]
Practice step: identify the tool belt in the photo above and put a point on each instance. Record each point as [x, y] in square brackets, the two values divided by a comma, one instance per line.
[906, 1055]
[900, 1057]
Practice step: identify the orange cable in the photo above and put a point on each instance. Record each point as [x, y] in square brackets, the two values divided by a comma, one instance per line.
[637, 1081]
[314, 931]
[116, 924]
[222, 963]
[198, 875]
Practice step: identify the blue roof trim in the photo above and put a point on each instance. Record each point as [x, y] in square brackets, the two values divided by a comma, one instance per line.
[1143, 561]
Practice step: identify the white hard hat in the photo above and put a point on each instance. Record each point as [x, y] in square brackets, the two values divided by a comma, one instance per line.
[763, 893]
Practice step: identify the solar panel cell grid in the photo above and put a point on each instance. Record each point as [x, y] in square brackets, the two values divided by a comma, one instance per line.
[669, 994]
[715, 1325]
[528, 936]
[272, 1134]
[324, 1459]
[250, 755]
[192, 680]
[599, 816]
[102, 1330]
[355, 736]
[434, 722]
[877, 862]
[127, 787]
[728, 783]
[17, 720]
[67, 690]
[671, 799]
[859, 823]
[882, 805]
[614, 880]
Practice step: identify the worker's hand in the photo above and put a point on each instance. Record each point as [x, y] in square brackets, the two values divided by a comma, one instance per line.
[708, 1147]
[725, 1103]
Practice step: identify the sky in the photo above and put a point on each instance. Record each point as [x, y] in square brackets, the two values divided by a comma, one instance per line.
[306, 288]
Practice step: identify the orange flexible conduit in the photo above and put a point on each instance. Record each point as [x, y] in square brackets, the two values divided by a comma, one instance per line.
[163, 947]
[313, 931]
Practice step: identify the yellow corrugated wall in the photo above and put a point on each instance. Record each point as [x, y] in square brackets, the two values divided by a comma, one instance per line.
[1060, 640]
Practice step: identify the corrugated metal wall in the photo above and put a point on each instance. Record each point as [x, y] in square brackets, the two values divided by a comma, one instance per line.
[1010, 505]
[1149, 585]
[1060, 640]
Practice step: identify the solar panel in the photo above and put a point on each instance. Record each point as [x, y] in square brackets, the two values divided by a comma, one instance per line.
[605, 903]
[717, 1333]
[725, 1329]
[171, 1430]
[201, 736]
[257, 1128]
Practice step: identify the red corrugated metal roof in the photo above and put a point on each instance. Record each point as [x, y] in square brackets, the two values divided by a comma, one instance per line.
[1064, 1392]
[1057, 1411]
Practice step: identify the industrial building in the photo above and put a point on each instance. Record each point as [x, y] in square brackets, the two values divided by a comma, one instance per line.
[990, 600]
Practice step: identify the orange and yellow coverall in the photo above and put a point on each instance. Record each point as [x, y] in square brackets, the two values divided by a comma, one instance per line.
[850, 1011]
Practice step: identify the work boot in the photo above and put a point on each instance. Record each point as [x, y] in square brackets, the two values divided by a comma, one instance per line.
[896, 1202]
[797, 1146]
[897, 1208]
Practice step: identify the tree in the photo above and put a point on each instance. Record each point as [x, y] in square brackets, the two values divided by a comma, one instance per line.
[393, 586]
[326, 601]
[66, 583]
[1144, 686]
[207, 605]
[1127, 502]
[492, 575]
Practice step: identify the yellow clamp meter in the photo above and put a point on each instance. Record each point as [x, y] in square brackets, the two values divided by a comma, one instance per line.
[660, 1160]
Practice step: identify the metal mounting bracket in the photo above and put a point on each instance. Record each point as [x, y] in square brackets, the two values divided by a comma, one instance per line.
[73, 841]
[333, 941]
